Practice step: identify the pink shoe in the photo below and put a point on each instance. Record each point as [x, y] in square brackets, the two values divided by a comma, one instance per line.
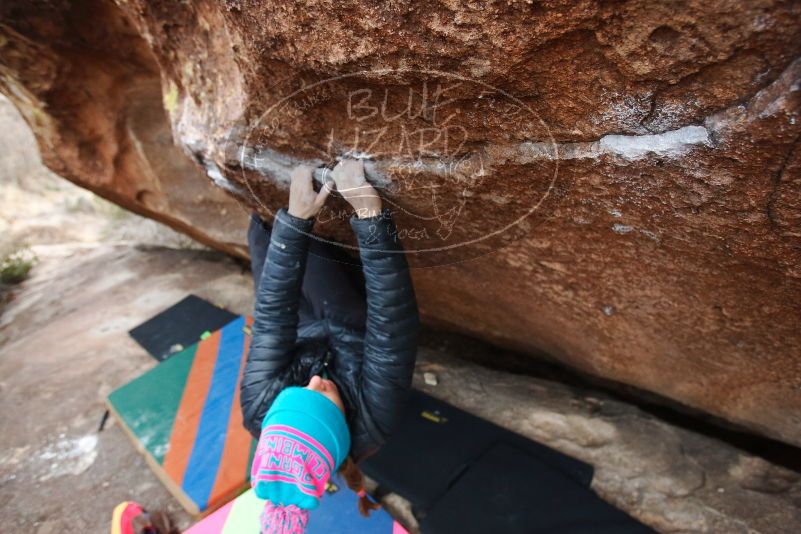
[130, 518]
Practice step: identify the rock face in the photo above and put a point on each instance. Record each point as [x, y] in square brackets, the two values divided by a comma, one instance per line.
[617, 185]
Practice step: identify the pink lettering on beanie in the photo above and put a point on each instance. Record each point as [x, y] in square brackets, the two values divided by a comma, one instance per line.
[286, 455]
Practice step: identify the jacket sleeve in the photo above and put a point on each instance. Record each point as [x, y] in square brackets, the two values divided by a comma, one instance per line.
[390, 342]
[275, 316]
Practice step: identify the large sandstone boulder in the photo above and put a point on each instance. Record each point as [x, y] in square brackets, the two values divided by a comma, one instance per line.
[615, 184]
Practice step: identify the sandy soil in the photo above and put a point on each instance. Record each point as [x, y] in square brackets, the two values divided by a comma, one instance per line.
[63, 341]
[63, 348]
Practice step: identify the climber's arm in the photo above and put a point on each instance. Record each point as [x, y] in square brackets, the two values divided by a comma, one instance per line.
[390, 343]
[275, 316]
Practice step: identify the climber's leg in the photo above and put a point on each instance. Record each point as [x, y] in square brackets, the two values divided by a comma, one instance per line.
[333, 284]
[259, 233]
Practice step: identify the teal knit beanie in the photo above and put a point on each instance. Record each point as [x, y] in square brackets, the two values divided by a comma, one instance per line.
[304, 439]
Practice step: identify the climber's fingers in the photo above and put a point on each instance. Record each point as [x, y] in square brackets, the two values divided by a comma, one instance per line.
[325, 190]
[304, 201]
[301, 179]
[348, 174]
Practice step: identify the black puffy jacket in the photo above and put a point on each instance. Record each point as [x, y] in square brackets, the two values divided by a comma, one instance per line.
[372, 368]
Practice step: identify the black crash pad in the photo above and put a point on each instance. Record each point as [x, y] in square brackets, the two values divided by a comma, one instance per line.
[180, 326]
[509, 491]
[435, 442]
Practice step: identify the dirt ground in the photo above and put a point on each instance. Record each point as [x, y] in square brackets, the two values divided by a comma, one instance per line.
[63, 341]
[64, 348]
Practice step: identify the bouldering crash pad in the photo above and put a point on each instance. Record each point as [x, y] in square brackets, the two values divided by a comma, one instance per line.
[184, 416]
[435, 442]
[337, 514]
[509, 491]
[180, 326]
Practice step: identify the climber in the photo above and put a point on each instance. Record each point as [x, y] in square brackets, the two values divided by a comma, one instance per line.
[333, 347]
